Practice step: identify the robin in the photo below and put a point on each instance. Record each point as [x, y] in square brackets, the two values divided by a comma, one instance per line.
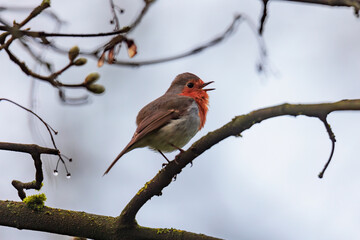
[170, 121]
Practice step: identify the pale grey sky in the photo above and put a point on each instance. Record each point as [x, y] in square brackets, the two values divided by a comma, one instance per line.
[261, 186]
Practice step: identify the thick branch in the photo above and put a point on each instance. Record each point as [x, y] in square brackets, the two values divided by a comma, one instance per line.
[233, 128]
[81, 224]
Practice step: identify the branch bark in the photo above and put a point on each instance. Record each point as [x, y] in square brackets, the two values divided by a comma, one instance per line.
[81, 224]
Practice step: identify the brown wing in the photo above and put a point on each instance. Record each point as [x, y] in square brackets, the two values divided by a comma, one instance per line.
[146, 126]
[153, 116]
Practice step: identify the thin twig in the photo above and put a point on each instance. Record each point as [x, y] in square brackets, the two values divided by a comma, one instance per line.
[48, 127]
[115, 17]
[263, 17]
[339, 3]
[196, 50]
[232, 27]
[333, 140]
[35, 12]
[40, 34]
[50, 78]
[35, 56]
[35, 151]
[27, 9]
[141, 15]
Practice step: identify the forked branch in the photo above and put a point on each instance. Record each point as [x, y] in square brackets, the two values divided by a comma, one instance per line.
[35, 151]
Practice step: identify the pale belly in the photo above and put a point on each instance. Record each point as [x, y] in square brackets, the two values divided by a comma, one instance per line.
[177, 133]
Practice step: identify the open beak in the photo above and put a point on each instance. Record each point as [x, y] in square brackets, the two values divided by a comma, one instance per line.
[207, 89]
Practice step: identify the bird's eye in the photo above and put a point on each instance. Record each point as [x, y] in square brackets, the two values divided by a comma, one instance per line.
[190, 85]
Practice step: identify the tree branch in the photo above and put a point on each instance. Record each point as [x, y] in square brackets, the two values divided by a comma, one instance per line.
[41, 34]
[142, 14]
[193, 51]
[263, 17]
[233, 128]
[125, 226]
[81, 224]
[35, 151]
[45, 4]
[335, 3]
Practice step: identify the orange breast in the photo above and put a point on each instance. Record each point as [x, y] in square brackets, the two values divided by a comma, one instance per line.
[202, 100]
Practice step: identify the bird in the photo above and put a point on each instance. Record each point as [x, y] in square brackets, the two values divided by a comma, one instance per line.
[170, 121]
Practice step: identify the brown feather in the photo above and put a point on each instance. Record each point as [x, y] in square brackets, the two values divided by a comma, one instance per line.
[152, 122]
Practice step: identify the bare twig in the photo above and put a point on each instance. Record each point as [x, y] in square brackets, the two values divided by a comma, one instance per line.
[35, 151]
[193, 51]
[48, 127]
[37, 58]
[196, 50]
[45, 4]
[50, 78]
[333, 140]
[40, 34]
[27, 9]
[234, 128]
[338, 3]
[141, 15]
[115, 17]
[263, 17]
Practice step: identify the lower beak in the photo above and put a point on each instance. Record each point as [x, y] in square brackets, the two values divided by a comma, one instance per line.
[207, 89]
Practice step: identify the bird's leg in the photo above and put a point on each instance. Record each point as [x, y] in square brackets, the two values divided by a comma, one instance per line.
[164, 164]
[181, 150]
[163, 156]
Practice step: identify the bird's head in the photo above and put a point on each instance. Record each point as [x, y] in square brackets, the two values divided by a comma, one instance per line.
[188, 84]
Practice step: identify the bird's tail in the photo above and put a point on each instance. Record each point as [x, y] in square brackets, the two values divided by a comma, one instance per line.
[125, 150]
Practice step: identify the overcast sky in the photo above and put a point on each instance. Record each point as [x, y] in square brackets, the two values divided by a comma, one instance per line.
[261, 186]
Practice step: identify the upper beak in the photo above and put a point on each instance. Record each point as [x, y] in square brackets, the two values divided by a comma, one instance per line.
[207, 89]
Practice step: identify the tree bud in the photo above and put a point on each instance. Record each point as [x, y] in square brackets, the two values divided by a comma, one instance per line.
[80, 61]
[96, 88]
[91, 78]
[73, 53]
